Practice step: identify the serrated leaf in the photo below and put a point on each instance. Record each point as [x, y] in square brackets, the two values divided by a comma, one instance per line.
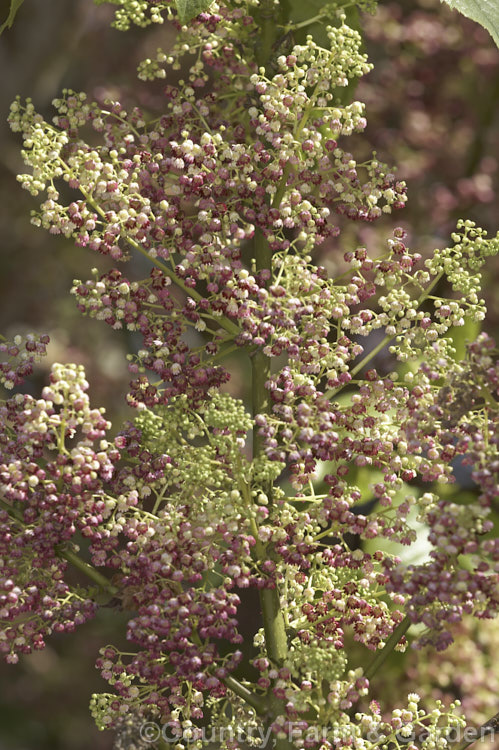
[189, 9]
[484, 12]
[14, 7]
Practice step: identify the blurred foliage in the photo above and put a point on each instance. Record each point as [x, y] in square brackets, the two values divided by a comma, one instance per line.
[432, 106]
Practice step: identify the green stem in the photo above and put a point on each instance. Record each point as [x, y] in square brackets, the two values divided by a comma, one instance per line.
[70, 557]
[320, 17]
[259, 362]
[88, 570]
[260, 395]
[382, 655]
[430, 288]
[273, 625]
[224, 322]
[371, 355]
[385, 341]
[303, 24]
[273, 619]
[13, 512]
[281, 188]
[267, 25]
[256, 701]
[228, 325]
[224, 353]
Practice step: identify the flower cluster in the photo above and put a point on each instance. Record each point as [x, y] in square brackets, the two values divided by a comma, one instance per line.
[139, 12]
[181, 558]
[226, 195]
[307, 424]
[19, 356]
[466, 667]
[138, 189]
[51, 482]
[459, 419]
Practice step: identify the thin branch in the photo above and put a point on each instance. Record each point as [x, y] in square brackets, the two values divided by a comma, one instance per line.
[224, 322]
[489, 728]
[69, 556]
[273, 620]
[255, 701]
[386, 340]
[382, 655]
[88, 570]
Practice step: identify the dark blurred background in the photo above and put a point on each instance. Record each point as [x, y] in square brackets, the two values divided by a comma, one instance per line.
[433, 110]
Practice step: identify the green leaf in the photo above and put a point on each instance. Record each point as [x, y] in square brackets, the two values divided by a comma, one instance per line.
[14, 7]
[484, 12]
[189, 9]
[461, 335]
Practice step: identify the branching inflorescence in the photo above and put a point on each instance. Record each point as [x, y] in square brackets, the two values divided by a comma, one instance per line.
[226, 195]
